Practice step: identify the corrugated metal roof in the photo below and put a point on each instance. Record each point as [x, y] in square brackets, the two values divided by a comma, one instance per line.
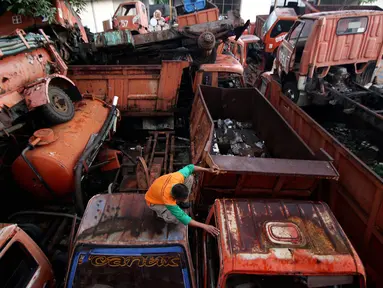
[124, 219]
[282, 236]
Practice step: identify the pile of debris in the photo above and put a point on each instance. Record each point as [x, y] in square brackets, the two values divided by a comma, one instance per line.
[358, 142]
[236, 138]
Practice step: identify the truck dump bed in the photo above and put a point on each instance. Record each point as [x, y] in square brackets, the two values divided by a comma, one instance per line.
[276, 160]
[356, 199]
[209, 14]
[143, 89]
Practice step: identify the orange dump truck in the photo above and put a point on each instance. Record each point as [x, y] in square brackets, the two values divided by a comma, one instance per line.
[209, 14]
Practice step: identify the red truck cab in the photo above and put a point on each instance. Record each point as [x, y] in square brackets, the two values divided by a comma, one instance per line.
[131, 16]
[226, 72]
[276, 27]
[121, 242]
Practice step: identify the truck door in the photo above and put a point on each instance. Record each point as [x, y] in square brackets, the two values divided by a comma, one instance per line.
[286, 54]
[291, 50]
[278, 33]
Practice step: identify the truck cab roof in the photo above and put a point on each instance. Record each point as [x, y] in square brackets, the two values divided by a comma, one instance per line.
[223, 63]
[111, 219]
[285, 12]
[278, 236]
[342, 14]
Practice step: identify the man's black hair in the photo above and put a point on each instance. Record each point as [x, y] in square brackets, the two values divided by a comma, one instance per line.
[180, 192]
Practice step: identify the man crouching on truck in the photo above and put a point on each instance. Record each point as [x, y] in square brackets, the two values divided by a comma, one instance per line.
[170, 189]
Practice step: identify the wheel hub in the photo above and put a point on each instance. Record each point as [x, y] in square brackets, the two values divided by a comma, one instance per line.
[59, 103]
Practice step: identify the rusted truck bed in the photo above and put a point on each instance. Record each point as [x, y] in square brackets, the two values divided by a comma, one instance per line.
[291, 169]
[357, 198]
[144, 90]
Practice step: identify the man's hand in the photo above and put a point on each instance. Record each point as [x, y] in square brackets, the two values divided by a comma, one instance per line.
[215, 170]
[211, 229]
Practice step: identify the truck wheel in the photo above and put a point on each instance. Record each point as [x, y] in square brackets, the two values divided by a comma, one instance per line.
[60, 109]
[291, 91]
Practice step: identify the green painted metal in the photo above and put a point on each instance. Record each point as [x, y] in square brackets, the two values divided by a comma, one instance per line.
[114, 38]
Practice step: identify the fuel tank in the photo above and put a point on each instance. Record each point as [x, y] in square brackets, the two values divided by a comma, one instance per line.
[55, 162]
[24, 68]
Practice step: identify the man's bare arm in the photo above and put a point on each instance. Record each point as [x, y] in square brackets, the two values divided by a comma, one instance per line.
[213, 170]
[208, 228]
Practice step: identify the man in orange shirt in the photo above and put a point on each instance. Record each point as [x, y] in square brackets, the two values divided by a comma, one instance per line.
[170, 189]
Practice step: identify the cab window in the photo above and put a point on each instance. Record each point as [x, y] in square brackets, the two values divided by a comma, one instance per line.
[352, 25]
[143, 8]
[294, 35]
[127, 10]
[17, 267]
[301, 42]
[282, 26]
[120, 271]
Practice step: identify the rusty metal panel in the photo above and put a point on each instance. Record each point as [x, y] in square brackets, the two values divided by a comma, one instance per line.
[277, 167]
[141, 88]
[275, 236]
[126, 220]
[358, 196]
[201, 128]
[171, 74]
[22, 69]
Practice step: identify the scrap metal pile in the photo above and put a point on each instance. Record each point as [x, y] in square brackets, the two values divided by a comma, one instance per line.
[237, 138]
[199, 40]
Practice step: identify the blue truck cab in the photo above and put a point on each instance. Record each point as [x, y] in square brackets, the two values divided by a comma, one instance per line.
[121, 243]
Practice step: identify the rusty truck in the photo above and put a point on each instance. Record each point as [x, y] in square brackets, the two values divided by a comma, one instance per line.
[315, 69]
[33, 78]
[66, 31]
[193, 260]
[284, 239]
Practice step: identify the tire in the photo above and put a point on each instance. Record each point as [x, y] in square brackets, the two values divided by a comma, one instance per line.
[291, 91]
[60, 109]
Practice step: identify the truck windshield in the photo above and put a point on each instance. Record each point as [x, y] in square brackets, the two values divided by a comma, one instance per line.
[121, 268]
[269, 23]
[257, 281]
